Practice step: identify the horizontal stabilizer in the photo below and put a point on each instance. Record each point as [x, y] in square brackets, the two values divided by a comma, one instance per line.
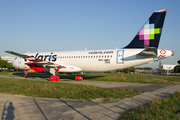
[148, 52]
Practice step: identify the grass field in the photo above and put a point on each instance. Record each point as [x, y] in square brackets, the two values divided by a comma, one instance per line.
[133, 78]
[161, 109]
[168, 108]
[114, 77]
[63, 90]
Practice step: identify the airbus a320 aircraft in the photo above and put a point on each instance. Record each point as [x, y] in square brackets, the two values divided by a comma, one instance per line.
[142, 49]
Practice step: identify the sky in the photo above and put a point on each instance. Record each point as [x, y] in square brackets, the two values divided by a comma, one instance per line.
[68, 25]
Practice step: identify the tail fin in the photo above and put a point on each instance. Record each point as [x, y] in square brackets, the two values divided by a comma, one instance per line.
[150, 33]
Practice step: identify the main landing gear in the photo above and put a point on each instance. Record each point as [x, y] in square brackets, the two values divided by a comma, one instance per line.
[78, 77]
[53, 78]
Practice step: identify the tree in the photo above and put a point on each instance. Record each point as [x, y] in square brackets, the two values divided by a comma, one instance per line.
[178, 61]
[127, 70]
[5, 64]
[177, 68]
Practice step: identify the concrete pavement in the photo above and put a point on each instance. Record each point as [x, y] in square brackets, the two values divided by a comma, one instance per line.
[29, 108]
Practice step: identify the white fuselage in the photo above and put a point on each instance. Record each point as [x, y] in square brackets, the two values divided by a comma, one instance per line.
[94, 60]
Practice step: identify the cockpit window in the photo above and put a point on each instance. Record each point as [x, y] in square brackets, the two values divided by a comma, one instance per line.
[15, 58]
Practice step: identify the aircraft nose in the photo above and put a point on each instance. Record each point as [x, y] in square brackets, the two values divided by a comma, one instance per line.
[172, 53]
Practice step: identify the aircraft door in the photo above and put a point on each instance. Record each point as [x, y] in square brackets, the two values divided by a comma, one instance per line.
[120, 56]
[19, 60]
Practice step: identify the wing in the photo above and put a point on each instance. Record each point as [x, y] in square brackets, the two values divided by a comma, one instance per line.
[39, 62]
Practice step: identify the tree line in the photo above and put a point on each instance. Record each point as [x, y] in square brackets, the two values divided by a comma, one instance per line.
[5, 64]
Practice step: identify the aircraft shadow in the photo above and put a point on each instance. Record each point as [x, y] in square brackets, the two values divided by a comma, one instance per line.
[92, 77]
[62, 76]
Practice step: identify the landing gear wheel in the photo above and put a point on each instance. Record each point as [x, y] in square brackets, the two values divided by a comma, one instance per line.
[54, 78]
[78, 77]
[25, 74]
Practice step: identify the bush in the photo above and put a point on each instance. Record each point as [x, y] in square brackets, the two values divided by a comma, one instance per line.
[177, 69]
[5, 64]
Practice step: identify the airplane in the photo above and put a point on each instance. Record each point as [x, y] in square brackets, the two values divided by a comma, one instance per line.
[141, 50]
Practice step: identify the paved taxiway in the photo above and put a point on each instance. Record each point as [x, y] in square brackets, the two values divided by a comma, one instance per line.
[29, 108]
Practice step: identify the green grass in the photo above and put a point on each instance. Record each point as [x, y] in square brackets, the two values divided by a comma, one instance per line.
[4, 72]
[62, 90]
[113, 77]
[161, 109]
[133, 78]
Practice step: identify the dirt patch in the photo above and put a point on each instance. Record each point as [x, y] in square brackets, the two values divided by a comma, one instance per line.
[20, 95]
[104, 100]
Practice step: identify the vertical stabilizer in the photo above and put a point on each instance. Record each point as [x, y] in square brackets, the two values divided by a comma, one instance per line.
[149, 35]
